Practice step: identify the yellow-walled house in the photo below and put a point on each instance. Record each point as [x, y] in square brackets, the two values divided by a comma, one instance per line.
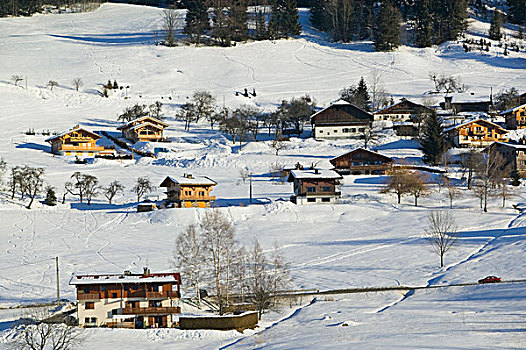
[75, 142]
[515, 117]
[189, 191]
[476, 133]
[143, 129]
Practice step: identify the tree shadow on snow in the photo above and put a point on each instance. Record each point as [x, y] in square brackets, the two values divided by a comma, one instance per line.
[117, 39]
[34, 146]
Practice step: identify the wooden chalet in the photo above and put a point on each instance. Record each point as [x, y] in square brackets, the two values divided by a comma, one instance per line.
[189, 191]
[513, 153]
[476, 133]
[314, 186]
[515, 117]
[127, 300]
[143, 129]
[362, 162]
[75, 142]
[340, 120]
[466, 102]
[402, 111]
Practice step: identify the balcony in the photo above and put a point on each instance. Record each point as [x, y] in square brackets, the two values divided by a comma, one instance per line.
[168, 294]
[318, 194]
[88, 296]
[151, 310]
[66, 147]
[197, 198]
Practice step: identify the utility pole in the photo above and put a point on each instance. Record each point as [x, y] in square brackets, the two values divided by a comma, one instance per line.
[250, 187]
[58, 282]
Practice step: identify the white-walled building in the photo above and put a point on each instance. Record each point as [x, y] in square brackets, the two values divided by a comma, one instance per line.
[341, 120]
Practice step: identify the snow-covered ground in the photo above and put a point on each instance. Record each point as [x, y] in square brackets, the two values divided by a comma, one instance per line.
[369, 240]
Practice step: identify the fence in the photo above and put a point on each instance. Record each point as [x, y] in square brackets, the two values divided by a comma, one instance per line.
[243, 321]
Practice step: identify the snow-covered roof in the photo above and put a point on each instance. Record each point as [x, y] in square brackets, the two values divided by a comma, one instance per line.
[124, 278]
[512, 109]
[315, 174]
[473, 121]
[468, 97]
[189, 180]
[138, 126]
[138, 120]
[74, 129]
[339, 102]
[518, 146]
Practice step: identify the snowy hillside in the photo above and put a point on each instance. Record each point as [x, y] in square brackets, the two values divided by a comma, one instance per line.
[368, 240]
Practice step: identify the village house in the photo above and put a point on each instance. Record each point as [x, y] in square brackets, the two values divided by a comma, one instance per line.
[340, 120]
[127, 300]
[362, 162]
[476, 133]
[189, 191]
[515, 117]
[143, 129]
[314, 186]
[402, 111]
[75, 142]
[513, 153]
[467, 102]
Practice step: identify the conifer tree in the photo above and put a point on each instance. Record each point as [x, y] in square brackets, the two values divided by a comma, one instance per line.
[196, 19]
[433, 143]
[424, 24]
[284, 19]
[496, 24]
[238, 20]
[387, 28]
[517, 11]
[357, 95]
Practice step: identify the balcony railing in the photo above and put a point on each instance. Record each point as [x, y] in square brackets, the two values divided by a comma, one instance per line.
[151, 310]
[328, 194]
[167, 294]
[88, 296]
[67, 147]
[198, 198]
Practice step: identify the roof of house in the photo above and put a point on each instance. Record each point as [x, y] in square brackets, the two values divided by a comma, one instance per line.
[518, 146]
[314, 174]
[139, 120]
[360, 149]
[408, 107]
[141, 125]
[74, 129]
[512, 109]
[342, 112]
[188, 181]
[479, 120]
[124, 278]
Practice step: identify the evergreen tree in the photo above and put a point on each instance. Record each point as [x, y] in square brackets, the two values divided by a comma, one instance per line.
[51, 198]
[424, 24]
[433, 143]
[496, 24]
[517, 11]
[284, 19]
[515, 178]
[238, 20]
[261, 25]
[357, 95]
[196, 21]
[387, 28]
[221, 30]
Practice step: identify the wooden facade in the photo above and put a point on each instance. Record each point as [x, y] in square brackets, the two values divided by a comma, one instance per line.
[189, 191]
[75, 142]
[127, 300]
[362, 162]
[339, 121]
[476, 133]
[402, 111]
[143, 129]
[513, 153]
[314, 186]
[515, 117]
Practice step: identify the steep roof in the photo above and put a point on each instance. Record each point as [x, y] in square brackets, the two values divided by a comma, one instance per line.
[360, 149]
[141, 125]
[404, 106]
[512, 109]
[124, 278]
[321, 174]
[142, 120]
[479, 120]
[341, 112]
[74, 129]
[188, 181]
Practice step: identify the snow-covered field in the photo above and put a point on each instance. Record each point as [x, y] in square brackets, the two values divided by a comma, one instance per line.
[367, 241]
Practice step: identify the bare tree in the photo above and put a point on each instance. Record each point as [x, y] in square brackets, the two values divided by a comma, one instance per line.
[379, 97]
[77, 83]
[32, 182]
[204, 104]
[453, 192]
[142, 187]
[169, 22]
[112, 190]
[398, 183]
[244, 173]
[441, 233]
[38, 332]
[278, 145]
[52, 84]
[504, 189]
[489, 170]
[16, 79]
[218, 234]
[85, 186]
[189, 258]
[417, 185]
[369, 134]
[15, 180]
[261, 282]
[280, 271]
[468, 162]
[3, 169]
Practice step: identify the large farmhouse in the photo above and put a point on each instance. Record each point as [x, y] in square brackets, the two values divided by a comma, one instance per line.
[189, 191]
[314, 186]
[515, 117]
[402, 111]
[476, 133]
[147, 300]
[514, 155]
[340, 120]
[143, 129]
[75, 142]
[362, 162]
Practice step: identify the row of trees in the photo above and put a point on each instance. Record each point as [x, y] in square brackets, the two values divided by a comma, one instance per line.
[435, 21]
[227, 21]
[208, 255]
[29, 7]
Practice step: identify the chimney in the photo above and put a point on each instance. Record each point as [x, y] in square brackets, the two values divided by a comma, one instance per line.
[448, 102]
[316, 171]
[127, 273]
[146, 271]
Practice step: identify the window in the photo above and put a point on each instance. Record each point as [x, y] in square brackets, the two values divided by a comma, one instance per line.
[114, 295]
[353, 129]
[155, 303]
[325, 200]
[201, 193]
[311, 189]
[326, 189]
[311, 200]
[321, 131]
[86, 290]
[361, 129]
[335, 131]
[89, 305]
